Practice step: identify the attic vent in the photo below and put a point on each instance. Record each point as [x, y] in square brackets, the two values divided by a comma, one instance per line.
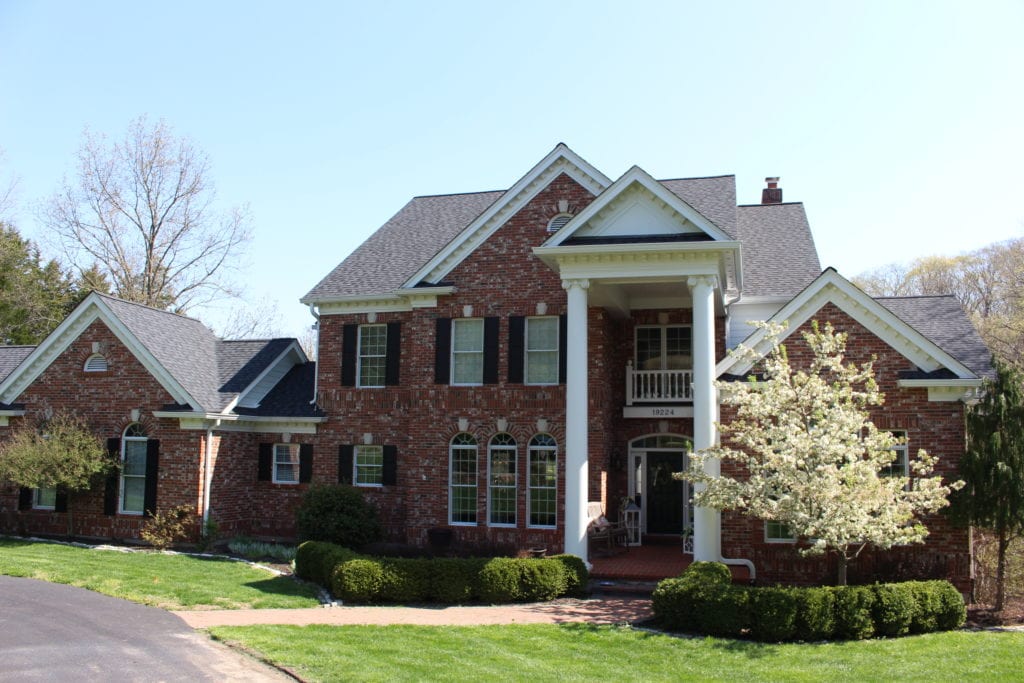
[96, 363]
[556, 223]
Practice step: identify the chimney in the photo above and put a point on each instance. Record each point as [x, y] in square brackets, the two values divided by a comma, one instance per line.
[773, 193]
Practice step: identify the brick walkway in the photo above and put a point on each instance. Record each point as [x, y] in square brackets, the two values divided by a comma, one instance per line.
[598, 610]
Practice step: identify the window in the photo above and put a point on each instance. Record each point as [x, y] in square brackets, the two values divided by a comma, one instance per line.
[44, 499]
[542, 350]
[286, 463]
[502, 480]
[462, 479]
[468, 351]
[95, 363]
[558, 221]
[777, 532]
[133, 470]
[543, 484]
[900, 467]
[369, 464]
[373, 347]
[663, 348]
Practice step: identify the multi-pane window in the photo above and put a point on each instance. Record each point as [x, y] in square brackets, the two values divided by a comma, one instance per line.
[900, 467]
[286, 463]
[468, 351]
[501, 477]
[777, 532]
[44, 499]
[542, 350]
[369, 465]
[462, 481]
[663, 348]
[542, 490]
[133, 470]
[372, 354]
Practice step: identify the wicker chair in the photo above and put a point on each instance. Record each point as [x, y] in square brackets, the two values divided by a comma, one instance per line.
[604, 535]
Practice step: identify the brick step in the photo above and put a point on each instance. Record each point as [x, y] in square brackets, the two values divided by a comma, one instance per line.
[622, 588]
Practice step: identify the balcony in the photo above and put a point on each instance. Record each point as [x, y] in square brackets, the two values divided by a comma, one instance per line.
[658, 386]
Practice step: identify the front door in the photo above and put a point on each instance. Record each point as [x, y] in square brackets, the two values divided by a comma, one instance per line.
[664, 501]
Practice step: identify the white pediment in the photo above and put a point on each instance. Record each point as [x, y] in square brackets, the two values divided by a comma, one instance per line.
[635, 213]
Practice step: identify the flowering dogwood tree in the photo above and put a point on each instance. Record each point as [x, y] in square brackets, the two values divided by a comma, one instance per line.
[811, 457]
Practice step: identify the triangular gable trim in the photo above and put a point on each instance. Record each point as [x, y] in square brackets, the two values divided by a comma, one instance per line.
[831, 287]
[252, 395]
[57, 342]
[636, 175]
[560, 160]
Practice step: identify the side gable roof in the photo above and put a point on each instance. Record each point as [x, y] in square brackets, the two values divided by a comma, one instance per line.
[830, 287]
[11, 357]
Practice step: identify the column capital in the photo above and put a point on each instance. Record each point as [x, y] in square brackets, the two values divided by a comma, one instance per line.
[701, 280]
[582, 283]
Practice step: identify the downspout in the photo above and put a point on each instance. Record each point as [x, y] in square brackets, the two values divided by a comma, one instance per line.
[208, 471]
[316, 375]
[741, 562]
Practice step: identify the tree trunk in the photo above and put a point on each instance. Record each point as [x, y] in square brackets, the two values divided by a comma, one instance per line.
[1004, 543]
[841, 576]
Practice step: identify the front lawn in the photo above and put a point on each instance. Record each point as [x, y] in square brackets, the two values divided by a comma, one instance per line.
[168, 581]
[599, 653]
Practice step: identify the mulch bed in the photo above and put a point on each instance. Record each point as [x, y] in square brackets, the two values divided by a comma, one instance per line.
[982, 616]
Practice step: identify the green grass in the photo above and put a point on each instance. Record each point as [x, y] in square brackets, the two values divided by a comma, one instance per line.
[599, 653]
[168, 581]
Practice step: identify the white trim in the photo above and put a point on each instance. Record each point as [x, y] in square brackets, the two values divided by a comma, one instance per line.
[398, 301]
[359, 357]
[526, 350]
[476, 479]
[777, 539]
[530, 449]
[831, 287]
[514, 449]
[121, 478]
[35, 498]
[482, 353]
[355, 465]
[6, 415]
[241, 423]
[560, 160]
[245, 400]
[90, 363]
[293, 449]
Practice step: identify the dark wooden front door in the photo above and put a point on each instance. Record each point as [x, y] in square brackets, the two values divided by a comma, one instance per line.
[664, 493]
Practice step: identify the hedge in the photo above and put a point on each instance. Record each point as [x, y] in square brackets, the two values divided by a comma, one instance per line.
[703, 600]
[356, 578]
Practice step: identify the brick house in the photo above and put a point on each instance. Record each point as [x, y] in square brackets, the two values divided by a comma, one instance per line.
[491, 362]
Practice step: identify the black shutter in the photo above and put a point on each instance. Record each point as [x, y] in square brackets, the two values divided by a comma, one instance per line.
[25, 498]
[516, 348]
[394, 354]
[491, 350]
[61, 503]
[390, 473]
[563, 346]
[443, 351]
[349, 337]
[345, 464]
[265, 463]
[110, 486]
[152, 478]
[305, 463]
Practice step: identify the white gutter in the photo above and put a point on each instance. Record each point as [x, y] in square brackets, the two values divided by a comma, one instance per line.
[208, 473]
[740, 562]
[316, 375]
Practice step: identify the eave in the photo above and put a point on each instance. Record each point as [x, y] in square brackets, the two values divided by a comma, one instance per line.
[399, 300]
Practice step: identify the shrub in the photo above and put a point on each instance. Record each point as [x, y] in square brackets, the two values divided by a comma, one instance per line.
[815, 613]
[853, 612]
[315, 561]
[358, 580]
[337, 514]
[167, 527]
[576, 574]
[952, 611]
[893, 609]
[406, 580]
[499, 581]
[773, 614]
[703, 600]
[541, 579]
[454, 581]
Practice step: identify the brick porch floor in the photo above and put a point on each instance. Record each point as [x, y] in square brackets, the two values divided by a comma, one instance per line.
[648, 562]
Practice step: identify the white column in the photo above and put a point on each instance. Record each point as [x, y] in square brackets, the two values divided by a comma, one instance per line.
[576, 416]
[707, 542]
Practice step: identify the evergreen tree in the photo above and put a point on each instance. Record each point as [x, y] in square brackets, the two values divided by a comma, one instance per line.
[34, 295]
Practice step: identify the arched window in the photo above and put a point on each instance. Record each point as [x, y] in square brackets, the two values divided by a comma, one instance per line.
[134, 447]
[558, 221]
[501, 481]
[542, 488]
[462, 484]
[95, 363]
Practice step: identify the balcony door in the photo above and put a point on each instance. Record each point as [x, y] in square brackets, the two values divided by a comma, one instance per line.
[664, 501]
[664, 347]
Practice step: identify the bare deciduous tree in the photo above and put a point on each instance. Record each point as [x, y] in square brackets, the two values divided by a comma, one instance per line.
[141, 213]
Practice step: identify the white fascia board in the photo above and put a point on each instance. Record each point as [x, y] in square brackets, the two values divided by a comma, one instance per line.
[6, 415]
[831, 287]
[929, 383]
[221, 422]
[292, 349]
[398, 301]
[560, 160]
[641, 177]
[637, 262]
[91, 309]
[755, 300]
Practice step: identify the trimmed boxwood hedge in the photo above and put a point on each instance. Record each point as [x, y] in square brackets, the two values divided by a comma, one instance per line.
[356, 578]
[703, 600]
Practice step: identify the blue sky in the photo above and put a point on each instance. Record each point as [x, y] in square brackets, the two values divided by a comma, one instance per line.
[898, 123]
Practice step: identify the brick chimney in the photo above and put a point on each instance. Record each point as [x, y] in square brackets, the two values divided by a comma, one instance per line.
[773, 193]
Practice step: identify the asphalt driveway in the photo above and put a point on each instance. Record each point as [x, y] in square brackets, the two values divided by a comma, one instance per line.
[54, 632]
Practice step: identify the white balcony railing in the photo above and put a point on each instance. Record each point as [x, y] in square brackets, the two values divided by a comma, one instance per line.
[658, 386]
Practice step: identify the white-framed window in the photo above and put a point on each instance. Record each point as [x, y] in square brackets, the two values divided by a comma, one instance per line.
[368, 462]
[777, 532]
[558, 221]
[95, 363]
[372, 355]
[286, 463]
[900, 467]
[542, 489]
[501, 480]
[133, 470]
[462, 482]
[664, 347]
[44, 499]
[467, 351]
[542, 350]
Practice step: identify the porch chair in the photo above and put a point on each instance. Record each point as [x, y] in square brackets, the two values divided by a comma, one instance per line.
[604, 535]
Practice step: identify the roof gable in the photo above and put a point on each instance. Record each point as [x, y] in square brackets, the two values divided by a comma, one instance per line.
[830, 287]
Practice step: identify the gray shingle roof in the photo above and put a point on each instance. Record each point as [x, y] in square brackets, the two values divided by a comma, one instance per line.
[11, 357]
[240, 362]
[779, 256]
[291, 396]
[714, 197]
[943, 321]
